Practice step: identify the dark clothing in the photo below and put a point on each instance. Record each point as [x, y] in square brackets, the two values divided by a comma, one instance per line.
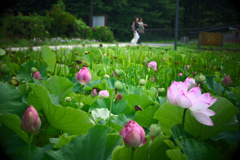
[139, 41]
[136, 25]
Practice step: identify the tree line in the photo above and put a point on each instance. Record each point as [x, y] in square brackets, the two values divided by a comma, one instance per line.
[155, 13]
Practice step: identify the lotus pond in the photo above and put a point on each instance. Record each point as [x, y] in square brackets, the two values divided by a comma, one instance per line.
[119, 103]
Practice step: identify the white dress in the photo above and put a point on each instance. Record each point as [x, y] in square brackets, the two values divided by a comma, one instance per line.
[135, 38]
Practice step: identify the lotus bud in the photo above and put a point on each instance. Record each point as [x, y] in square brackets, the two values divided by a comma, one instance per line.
[153, 65]
[133, 134]
[37, 75]
[68, 99]
[83, 76]
[119, 86]
[137, 108]
[226, 82]
[180, 74]
[194, 74]
[152, 79]
[31, 123]
[155, 130]
[142, 82]
[94, 93]
[118, 97]
[201, 79]
[33, 69]
[76, 67]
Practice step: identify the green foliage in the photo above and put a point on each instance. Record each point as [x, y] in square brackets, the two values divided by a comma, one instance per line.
[102, 34]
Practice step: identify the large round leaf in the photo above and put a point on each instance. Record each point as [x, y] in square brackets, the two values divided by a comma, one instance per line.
[97, 144]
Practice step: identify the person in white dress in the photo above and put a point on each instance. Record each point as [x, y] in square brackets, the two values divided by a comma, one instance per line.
[135, 33]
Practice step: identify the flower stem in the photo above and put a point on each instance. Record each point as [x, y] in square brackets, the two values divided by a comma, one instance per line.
[132, 154]
[223, 91]
[110, 111]
[183, 120]
[150, 143]
[30, 137]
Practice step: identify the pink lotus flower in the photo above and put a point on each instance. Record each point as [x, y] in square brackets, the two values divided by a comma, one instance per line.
[83, 76]
[187, 66]
[164, 59]
[31, 122]
[198, 104]
[153, 65]
[104, 93]
[174, 90]
[180, 74]
[185, 95]
[133, 134]
[227, 81]
[37, 75]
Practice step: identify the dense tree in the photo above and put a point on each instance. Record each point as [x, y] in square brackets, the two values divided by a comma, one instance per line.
[156, 13]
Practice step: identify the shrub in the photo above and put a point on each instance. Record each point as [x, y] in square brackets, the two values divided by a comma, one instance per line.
[102, 33]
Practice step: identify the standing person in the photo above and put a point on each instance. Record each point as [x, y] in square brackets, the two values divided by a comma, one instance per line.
[135, 33]
[141, 29]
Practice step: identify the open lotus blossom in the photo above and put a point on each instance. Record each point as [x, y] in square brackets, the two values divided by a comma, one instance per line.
[133, 134]
[31, 123]
[198, 104]
[153, 65]
[83, 76]
[37, 75]
[180, 74]
[178, 94]
[104, 93]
